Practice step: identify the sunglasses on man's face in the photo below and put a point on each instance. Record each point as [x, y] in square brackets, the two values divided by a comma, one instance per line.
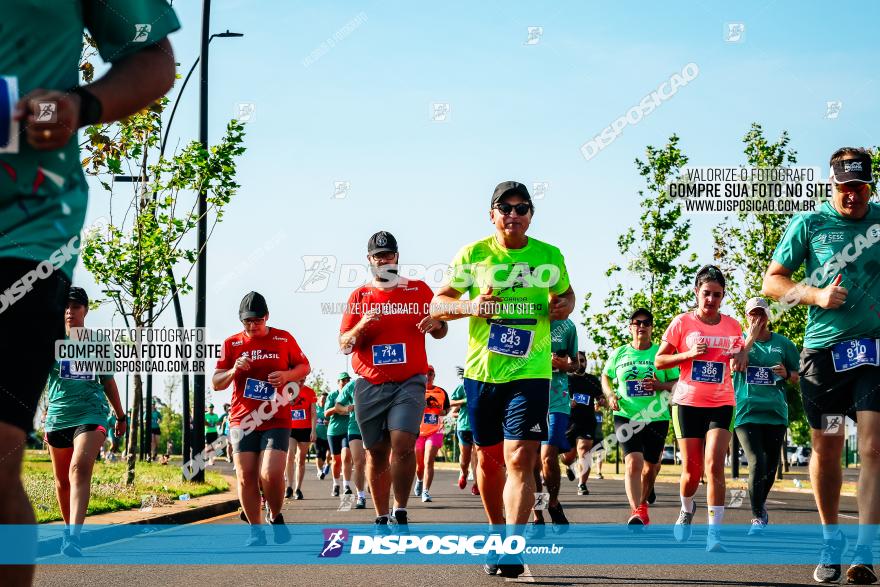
[521, 209]
[641, 323]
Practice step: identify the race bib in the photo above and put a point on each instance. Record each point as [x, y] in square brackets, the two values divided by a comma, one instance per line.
[506, 340]
[760, 376]
[389, 354]
[65, 371]
[9, 128]
[431, 419]
[855, 353]
[707, 371]
[297, 414]
[259, 390]
[635, 388]
[581, 398]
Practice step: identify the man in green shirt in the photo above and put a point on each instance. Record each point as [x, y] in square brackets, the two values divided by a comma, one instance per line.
[211, 421]
[517, 285]
[42, 187]
[458, 402]
[337, 436]
[356, 455]
[840, 371]
[638, 396]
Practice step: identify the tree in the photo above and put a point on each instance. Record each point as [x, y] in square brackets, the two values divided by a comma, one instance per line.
[135, 252]
[656, 257]
[318, 381]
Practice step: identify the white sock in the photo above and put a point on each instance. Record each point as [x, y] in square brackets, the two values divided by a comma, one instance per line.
[687, 504]
[829, 531]
[399, 510]
[361, 494]
[716, 514]
[335, 480]
[345, 483]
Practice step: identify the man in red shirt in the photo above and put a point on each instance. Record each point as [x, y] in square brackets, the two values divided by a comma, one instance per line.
[263, 364]
[302, 435]
[384, 326]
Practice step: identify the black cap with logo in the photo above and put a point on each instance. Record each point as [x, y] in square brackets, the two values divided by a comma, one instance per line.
[510, 188]
[382, 242]
[857, 168]
[78, 295]
[253, 305]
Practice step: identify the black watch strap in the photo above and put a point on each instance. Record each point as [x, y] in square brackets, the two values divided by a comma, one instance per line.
[90, 108]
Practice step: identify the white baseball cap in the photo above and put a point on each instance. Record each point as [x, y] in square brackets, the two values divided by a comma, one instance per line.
[758, 303]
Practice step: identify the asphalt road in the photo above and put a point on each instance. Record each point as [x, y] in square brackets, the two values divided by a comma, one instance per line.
[605, 504]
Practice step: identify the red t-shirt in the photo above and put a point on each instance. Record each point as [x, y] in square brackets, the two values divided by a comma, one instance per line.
[277, 351]
[394, 337]
[301, 408]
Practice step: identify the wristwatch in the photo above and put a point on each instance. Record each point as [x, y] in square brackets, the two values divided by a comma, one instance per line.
[90, 107]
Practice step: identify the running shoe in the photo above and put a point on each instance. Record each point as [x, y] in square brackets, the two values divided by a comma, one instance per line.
[557, 515]
[417, 491]
[335, 491]
[400, 518]
[582, 489]
[470, 476]
[462, 481]
[828, 570]
[257, 537]
[765, 517]
[288, 493]
[348, 490]
[536, 530]
[242, 516]
[298, 494]
[635, 520]
[321, 474]
[426, 497]
[569, 472]
[326, 470]
[861, 571]
[381, 526]
[713, 540]
[652, 497]
[475, 490]
[757, 527]
[511, 566]
[70, 546]
[682, 529]
[490, 567]
[279, 528]
[600, 476]
[361, 503]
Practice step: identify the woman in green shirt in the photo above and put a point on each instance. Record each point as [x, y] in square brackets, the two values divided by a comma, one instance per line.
[761, 409]
[76, 421]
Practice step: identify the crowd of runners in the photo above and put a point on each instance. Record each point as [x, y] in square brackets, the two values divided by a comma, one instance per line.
[525, 410]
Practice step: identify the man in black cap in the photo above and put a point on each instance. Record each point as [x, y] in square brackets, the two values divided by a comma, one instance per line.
[840, 370]
[384, 329]
[517, 285]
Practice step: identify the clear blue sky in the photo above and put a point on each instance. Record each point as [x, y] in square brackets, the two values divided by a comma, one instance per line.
[360, 113]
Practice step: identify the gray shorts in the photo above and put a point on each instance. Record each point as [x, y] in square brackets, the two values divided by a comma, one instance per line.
[389, 406]
[259, 440]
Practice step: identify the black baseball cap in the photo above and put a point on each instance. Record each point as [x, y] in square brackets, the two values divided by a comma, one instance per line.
[855, 168]
[78, 295]
[253, 305]
[642, 311]
[508, 188]
[381, 242]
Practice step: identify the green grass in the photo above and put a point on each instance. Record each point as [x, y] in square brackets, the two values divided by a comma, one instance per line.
[109, 492]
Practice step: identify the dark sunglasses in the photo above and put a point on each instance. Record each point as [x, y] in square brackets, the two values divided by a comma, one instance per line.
[642, 323]
[521, 209]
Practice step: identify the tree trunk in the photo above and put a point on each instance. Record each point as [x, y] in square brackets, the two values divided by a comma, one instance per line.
[134, 433]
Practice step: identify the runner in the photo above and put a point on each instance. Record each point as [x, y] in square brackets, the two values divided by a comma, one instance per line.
[563, 345]
[302, 434]
[583, 388]
[223, 427]
[322, 447]
[465, 437]
[211, 420]
[356, 455]
[155, 431]
[706, 345]
[637, 395]
[837, 246]
[516, 285]
[389, 354]
[761, 419]
[76, 421]
[260, 362]
[43, 191]
[337, 438]
[430, 436]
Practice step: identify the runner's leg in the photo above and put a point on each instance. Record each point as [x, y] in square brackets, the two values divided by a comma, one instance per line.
[302, 450]
[356, 448]
[61, 468]
[551, 472]
[692, 465]
[717, 441]
[826, 476]
[490, 480]
[869, 476]
[247, 470]
[751, 437]
[649, 476]
[379, 475]
[403, 465]
[82, 463]
[431, 451]
[634, 464]
[585, 458]
[420, 459]
[290, 464]
[272, 478]
[519, 490]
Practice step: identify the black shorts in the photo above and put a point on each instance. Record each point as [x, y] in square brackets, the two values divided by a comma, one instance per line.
[581, 424]
[827, 393]
[301, 434]
[695, 422]
[63, 438]
[210, 437]
[321, 447]
[647, 438]
[158, 431]
[515, 410]
[30, 325]
[337, 442]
